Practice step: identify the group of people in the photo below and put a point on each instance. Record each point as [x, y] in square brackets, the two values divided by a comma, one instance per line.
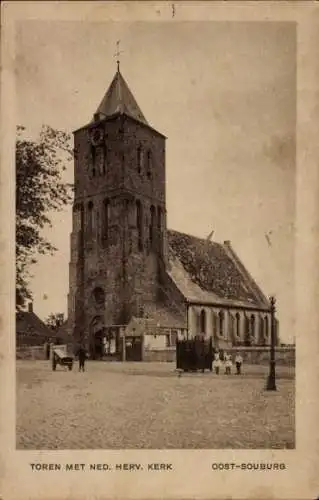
[226, 362]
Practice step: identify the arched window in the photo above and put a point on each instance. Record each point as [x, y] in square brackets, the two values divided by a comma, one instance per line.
[90, 218]
[202, 321]
[252, 325]
[149, 164]
[139, 224]
[266, 328]
[247, 325]
[139, 158]
[97, 228]
[221, 318]
[247, 331]
[231, 326]
[93, 158]
[215, 323]
[237, 324]
[262, 331]
[152, 226]
[105, 160]
[105, 220]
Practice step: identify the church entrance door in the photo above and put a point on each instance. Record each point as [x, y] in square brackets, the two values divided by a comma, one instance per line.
[96, 338]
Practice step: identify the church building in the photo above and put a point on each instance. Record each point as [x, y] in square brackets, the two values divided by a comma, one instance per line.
[129, 272]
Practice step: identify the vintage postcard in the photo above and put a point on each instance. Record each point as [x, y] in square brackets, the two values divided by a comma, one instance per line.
[159, 250]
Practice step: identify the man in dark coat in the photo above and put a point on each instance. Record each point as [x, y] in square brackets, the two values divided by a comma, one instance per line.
[82, 358]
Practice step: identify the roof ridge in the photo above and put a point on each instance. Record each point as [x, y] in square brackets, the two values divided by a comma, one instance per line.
[195, 237]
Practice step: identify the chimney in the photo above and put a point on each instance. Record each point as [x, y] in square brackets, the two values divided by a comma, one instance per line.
[227, 243]
[30, 307]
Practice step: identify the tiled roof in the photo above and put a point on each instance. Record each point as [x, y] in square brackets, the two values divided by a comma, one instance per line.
[29, 323]
[119, 99]
[206, 271]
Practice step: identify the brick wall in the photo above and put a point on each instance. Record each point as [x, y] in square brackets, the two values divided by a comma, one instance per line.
[125, 265]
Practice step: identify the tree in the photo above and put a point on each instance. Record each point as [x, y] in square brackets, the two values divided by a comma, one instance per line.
[40, 189]
[55, 320]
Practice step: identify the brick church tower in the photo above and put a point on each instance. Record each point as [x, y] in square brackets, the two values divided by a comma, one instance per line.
[118, 240]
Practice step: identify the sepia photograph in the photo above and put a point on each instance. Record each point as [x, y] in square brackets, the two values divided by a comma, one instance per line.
[155, 235]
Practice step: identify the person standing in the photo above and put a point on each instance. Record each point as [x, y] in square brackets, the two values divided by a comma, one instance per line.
[217, 362]
[228, 364]
[239, 363]
[82, 358]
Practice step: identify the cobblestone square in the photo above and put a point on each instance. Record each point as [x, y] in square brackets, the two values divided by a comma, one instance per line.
[146, 405]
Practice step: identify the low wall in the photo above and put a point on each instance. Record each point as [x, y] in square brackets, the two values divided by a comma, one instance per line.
[161, 355]
[261, 355]
[251, 355]
[30, 352]
[38, 352]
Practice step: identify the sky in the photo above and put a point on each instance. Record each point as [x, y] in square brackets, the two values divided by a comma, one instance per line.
[224, 94]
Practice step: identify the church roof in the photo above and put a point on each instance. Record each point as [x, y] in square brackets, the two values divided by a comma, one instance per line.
[119, 99]
[210, 272]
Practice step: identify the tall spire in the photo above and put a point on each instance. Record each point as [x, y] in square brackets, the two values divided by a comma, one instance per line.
[119, 99]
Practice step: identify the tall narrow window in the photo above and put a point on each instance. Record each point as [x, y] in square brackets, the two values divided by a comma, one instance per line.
[261, 331]
[252, 325]
[90, 219]
[139, 224]
[105, 160]
[266, 328]
[215, 324]
[97, 228]
[152, 227]
[105, 223]
[247, 331]
[149, 164]
[247, 325]
[221, 318]
[231, 326]
[237, 324]
[139, 155]
[202, 321]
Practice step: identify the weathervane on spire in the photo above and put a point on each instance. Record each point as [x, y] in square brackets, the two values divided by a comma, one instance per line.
[117, 54]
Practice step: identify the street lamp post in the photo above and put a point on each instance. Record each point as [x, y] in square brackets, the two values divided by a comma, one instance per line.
[271, 382]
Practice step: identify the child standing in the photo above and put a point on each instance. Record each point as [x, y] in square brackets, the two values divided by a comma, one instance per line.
[216, 362]
[228, 364]
[239, 363]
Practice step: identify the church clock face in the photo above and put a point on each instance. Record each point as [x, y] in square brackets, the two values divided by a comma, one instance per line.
[96, 136]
